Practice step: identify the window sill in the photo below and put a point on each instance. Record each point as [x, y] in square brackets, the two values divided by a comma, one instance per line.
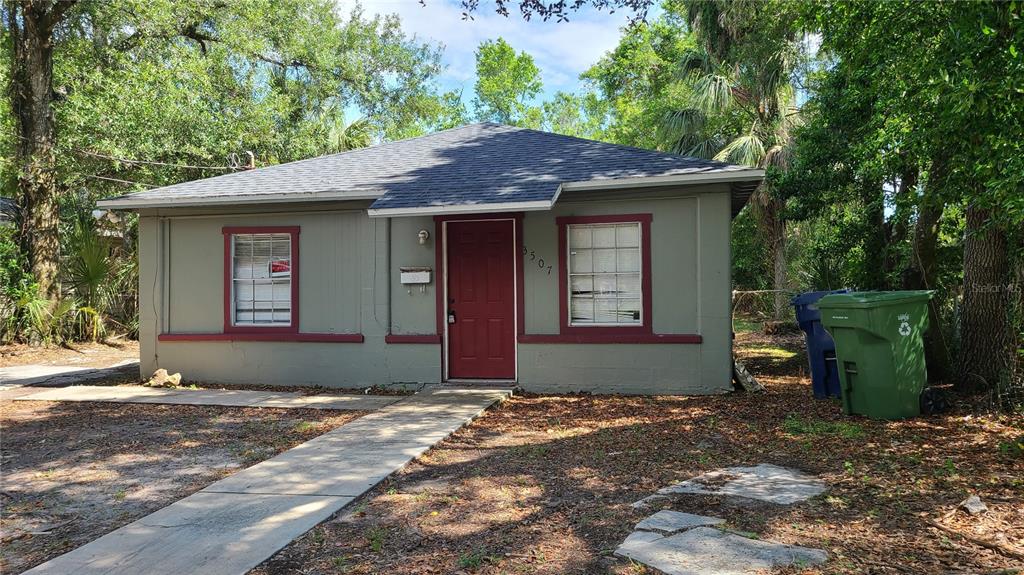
[412, 338]
[303, 337]
[690, 338]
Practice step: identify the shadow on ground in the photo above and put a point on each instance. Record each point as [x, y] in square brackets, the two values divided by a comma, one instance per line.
[544, 484]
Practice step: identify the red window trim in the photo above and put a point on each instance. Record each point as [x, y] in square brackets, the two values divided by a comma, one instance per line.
[605, 334]
[265, 336]
[412, 338]
[293, 327]
[612, 338]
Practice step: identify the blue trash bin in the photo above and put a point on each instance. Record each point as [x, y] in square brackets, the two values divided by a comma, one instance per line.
[821, 350]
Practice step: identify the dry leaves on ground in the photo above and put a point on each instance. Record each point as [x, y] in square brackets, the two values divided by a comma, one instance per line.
[74, 471]
[544, 484]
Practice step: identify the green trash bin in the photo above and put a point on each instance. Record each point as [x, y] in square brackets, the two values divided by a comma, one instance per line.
[879, 350]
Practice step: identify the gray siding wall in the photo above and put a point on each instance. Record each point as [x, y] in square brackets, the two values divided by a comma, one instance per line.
[349, 283]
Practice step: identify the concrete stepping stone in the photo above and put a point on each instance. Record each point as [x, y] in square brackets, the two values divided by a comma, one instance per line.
[668, 521]
[763, 482]
[649, 501]
[709, 551]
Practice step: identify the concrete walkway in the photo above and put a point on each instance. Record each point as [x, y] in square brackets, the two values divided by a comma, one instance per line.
[238, 522]
[224, 397]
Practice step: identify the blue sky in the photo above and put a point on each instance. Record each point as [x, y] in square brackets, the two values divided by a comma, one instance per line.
[561, 50]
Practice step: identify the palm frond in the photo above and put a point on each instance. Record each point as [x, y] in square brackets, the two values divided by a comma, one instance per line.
[713, 93]
[694, 61]
[747, 150]
[777, 156]
[683, 122]
[343, 137]
[705, 148]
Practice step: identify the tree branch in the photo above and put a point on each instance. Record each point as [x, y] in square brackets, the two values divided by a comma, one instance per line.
[50, 19]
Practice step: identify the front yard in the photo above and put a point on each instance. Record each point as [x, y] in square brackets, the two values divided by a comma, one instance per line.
[75, 471]
[79, 354]
[544, 484]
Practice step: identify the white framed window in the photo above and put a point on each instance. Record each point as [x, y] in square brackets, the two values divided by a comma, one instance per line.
[605, 274]
[261, 279]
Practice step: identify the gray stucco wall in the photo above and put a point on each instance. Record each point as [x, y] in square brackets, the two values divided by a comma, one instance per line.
[344, 287]
[691, 289]
[349, 283]
[412, 308]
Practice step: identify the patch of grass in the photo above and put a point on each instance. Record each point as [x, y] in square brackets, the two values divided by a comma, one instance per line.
[120, 495]
[744, 325]
[474, 559]
[376, 536]
[795, 425]
[305, 426]
[948, 469]
[250, 456]
[772, 352]
[1014, 448]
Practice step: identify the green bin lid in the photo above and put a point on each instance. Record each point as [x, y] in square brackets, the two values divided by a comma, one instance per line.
[868, 299]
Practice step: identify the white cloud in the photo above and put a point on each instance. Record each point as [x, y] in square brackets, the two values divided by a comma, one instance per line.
[562, 50]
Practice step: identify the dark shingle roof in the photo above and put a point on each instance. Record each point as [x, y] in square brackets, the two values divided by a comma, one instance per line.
[471, 165]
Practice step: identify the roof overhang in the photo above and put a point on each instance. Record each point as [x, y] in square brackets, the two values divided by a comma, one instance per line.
[746, 178]
[743, 182]
[129, 203]
[461, 209]
[747, 175]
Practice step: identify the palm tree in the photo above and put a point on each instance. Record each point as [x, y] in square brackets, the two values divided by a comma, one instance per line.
[342, 137]
[741, 108]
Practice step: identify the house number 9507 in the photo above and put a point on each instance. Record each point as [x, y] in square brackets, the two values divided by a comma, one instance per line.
[540, 261]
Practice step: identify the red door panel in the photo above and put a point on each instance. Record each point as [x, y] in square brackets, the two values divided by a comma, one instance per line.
[481, 297]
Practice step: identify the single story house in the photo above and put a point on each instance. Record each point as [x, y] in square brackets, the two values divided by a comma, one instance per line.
[485, 252]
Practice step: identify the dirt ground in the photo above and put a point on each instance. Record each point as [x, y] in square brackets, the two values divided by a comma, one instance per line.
[82, 354]
[544, 485]
[72, 472]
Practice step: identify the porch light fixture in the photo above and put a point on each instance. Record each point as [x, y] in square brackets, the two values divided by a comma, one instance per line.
[424, 235]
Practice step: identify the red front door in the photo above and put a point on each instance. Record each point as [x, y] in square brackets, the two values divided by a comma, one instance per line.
[481, 300]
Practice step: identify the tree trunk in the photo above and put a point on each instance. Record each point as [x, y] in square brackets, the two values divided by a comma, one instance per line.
[919, 275]
[780, 275]
[984, 316]
[876, 244]
[31, 27]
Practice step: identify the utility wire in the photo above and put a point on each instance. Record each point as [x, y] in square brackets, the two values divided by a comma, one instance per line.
[83, 152]
[120, 181]
[149, 162]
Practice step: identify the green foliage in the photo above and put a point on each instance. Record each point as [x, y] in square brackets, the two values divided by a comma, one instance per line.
[159, 92]
[750, 255]
[16, 286]
[582, 116]
[376, 536]
[474, 559]
[637, 79]
[1013, 447]
[796, 425]
[197, 82]
[506, 84]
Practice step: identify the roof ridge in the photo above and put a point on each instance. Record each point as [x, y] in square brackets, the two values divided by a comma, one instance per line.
[622, 146]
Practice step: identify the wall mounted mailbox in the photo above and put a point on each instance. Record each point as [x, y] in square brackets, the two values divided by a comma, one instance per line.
[415, 275]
